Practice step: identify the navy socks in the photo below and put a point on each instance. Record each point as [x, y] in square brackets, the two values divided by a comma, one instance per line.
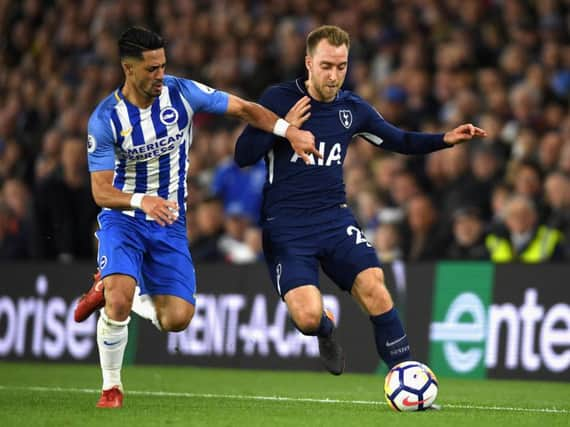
[391, 340]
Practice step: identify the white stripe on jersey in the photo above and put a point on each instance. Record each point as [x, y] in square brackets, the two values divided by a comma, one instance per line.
[152, 164]
[375, 139]
[187, 149]
[130, 171]
[149, 134]
[271, 157]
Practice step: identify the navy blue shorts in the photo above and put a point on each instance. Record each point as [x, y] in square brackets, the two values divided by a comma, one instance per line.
[294, 249]
[157, 257]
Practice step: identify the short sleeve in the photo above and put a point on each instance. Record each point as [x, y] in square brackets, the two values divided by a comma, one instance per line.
[202, 97]
[100, 144]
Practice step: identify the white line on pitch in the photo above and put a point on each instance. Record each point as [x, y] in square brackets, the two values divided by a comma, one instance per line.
[276, 398]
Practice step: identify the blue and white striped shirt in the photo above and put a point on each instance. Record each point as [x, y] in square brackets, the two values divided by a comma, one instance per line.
[147, 148]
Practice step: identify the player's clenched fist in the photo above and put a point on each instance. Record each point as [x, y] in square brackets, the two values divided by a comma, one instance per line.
[161, 210]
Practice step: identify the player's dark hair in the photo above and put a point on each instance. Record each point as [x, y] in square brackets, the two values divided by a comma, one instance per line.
[136, 40]
[333, 34]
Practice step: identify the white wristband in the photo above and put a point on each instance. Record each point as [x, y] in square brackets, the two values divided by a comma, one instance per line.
[136, 201]
[280, 128]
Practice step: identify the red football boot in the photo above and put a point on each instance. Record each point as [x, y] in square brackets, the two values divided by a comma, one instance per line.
[112, 398]
[93, 300]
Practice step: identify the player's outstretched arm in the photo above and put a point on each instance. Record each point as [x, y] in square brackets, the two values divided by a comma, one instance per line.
[107, 196]
[302, 142]
[253, 143]
[463, 133]
[383, 134]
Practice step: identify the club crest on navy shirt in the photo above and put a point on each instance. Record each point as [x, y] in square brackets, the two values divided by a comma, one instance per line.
[345, 117]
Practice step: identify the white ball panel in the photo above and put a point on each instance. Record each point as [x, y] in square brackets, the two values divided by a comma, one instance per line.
[415, 377]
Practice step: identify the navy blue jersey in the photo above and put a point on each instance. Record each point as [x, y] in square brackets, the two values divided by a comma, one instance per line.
[293, 188]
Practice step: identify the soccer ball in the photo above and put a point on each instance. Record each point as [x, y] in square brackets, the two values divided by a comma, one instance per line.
[410, 386]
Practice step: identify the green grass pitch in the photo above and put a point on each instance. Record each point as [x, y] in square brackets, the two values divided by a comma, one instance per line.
[37, 394]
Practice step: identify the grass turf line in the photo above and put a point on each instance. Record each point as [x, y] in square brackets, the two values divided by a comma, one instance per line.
[42, 394]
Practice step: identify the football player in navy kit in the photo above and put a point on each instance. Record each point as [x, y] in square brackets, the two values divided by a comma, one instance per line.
[305, 218]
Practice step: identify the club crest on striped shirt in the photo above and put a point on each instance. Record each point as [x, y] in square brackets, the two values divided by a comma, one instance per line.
[168, 116]
[345, 117]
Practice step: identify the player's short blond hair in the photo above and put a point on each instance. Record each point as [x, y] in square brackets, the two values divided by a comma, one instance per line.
[333, 34]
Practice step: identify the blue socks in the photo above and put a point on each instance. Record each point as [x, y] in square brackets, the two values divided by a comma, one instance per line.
[391, 340]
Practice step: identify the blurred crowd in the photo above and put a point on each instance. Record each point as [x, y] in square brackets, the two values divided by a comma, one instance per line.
[426, 65]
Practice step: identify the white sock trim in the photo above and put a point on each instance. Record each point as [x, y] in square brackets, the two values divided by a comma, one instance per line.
[112, 322]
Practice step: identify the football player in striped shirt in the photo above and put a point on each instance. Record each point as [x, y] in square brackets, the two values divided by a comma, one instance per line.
[138, 142]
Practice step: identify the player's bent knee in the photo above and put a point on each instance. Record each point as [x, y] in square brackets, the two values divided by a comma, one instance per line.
[118, 305]
[307, 322]
[305, 306]
[174, 325]
[119, 293]
[176, 320]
